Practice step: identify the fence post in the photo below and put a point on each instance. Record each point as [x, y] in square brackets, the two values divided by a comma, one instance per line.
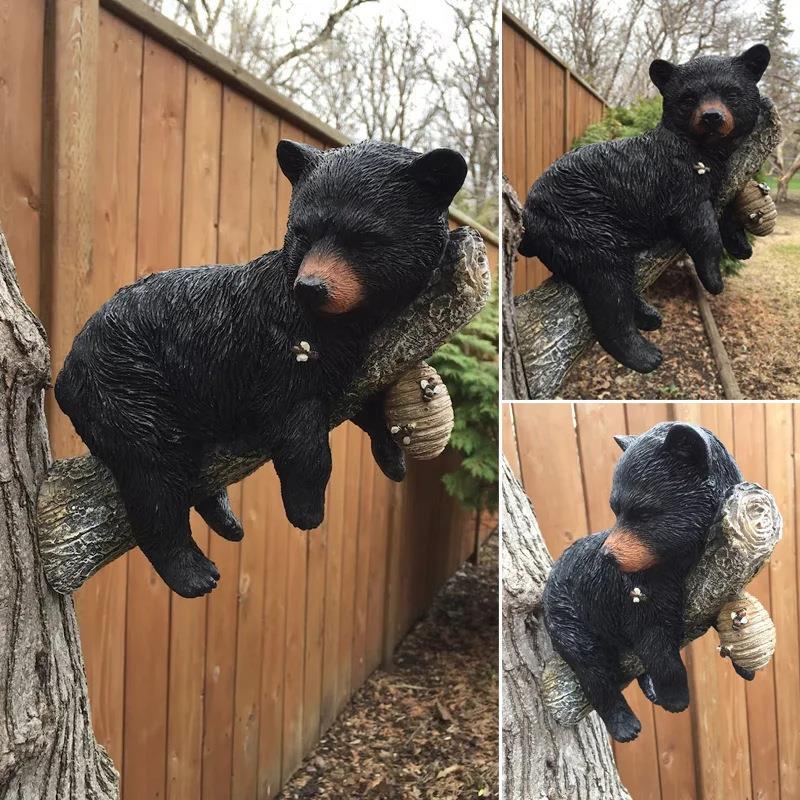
[70, 99]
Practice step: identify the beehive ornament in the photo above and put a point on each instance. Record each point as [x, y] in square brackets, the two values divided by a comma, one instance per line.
[755, 209]
[746, 632]
[419, 412]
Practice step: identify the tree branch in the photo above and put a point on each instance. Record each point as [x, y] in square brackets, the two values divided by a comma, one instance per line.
[551, 326]
[82, 522]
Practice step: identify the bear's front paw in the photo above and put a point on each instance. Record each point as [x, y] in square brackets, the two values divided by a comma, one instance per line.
[741, 249]
[622, 724]
[390, 458]
[305, 516]
[188, 572]
[647, 317]
[672, 697]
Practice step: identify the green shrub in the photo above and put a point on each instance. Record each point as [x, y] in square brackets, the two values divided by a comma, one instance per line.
[468, 364]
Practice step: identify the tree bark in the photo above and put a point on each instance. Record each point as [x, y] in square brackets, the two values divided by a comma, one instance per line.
[549, 322]
[47, 746]
[542, 760]
[82, 522]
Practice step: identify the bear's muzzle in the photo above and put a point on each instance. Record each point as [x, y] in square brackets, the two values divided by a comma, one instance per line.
[328, 284]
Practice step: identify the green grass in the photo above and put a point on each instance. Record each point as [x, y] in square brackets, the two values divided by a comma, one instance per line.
[794, 185]
[789, 251]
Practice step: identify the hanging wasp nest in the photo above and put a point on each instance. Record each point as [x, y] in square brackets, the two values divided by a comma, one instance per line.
[746, 632]
[755, 209]
[419, 412]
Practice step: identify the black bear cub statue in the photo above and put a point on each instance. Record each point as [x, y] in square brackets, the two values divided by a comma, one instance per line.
[251, 359]
[622, 590]
[593, 210]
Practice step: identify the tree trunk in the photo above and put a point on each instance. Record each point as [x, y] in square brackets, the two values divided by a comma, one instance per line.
[82, 521]
[549, 323]
[47, 746]
[542, 760]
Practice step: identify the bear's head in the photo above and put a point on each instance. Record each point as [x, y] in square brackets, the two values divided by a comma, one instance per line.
[711, 99]
[667, 489]
[367, 223]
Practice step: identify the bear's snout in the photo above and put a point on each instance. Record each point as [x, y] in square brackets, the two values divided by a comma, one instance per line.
[629, 551]
[713, 118]
[328, 284]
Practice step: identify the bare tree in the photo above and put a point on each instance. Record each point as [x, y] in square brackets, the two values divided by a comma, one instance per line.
[256, 34]
[468, 90]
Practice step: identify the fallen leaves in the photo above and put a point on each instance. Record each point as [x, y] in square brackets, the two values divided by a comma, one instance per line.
[427, 730]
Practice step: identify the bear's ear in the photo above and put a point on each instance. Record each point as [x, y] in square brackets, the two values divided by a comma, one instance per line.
[624, 442]
[660, 73]
[295, 158]
[755, 60]
[441, 172]
[690, 445]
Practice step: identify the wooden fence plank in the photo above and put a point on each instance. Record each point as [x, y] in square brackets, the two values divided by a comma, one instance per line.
[780, 437]
[21, 118]
[548, 452]
[158, 246]
[233, 246]
[69, 167]
[101, 602]
[597, 424]
[350, 537]
[750, 451]
[255, 572]
[188, 619]
[335, 512]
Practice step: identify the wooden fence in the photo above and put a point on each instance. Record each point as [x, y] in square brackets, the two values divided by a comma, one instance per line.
[170, 161]
[546, 107]
[737, 740]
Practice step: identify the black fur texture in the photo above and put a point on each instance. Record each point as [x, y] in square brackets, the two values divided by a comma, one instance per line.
[251, 358]
[595, 208]
[668, 488]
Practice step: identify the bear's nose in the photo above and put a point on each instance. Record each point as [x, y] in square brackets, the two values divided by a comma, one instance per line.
[713, 118]
[311, 291]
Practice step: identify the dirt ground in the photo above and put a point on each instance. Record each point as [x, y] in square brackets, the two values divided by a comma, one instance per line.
[427, 729]
[758, 315]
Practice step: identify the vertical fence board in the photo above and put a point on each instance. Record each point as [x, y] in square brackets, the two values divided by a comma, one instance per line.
[548, 453]
[67, 247]
[749, 447]
[101, 602]
[254, 568]
[365, 536]
[147, 645]
[233, 246]
[199, 221]
[350, 534]
[21, 104]
[783, 594]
